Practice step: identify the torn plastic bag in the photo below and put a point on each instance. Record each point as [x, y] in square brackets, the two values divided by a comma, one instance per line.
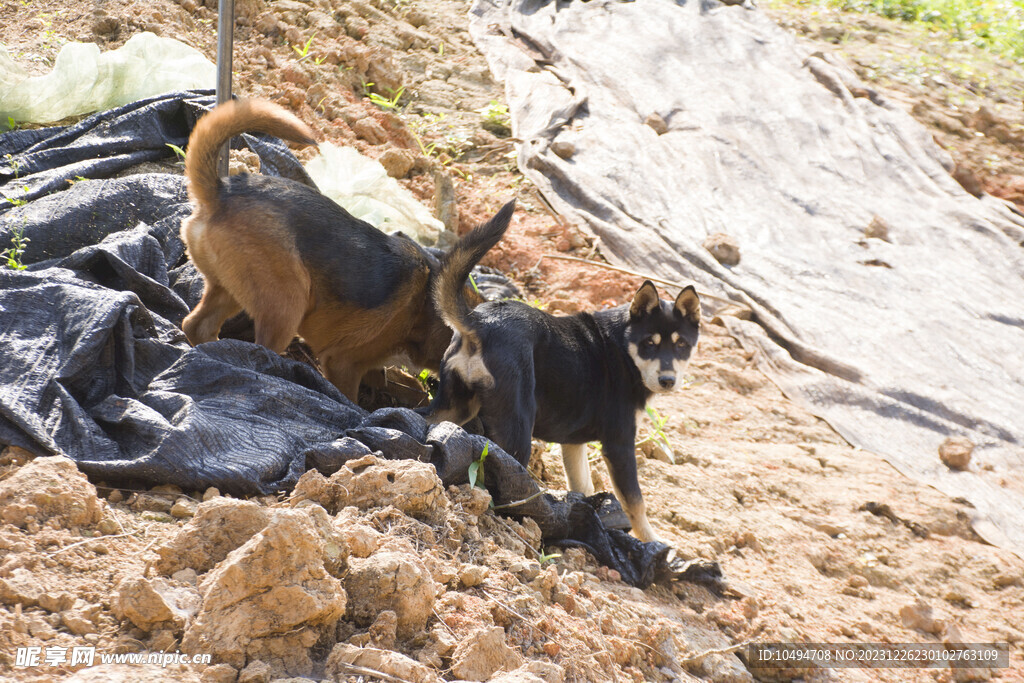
[84, 79]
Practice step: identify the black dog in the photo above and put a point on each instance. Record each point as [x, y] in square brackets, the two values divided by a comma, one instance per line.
[568, 380]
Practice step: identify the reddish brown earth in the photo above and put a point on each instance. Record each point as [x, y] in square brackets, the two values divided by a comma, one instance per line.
[430, 583]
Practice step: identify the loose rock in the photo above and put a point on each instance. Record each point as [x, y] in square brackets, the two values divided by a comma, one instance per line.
[724, 248]
[149, 603]
[955, 452]
[391, 581]
[49, 488]
[270, 599]
[482, 653]
[369, 482]
[219, 526]
[346, 660]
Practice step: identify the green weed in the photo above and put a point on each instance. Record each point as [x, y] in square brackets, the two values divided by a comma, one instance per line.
[385, 102]
[994, 25]
[476, 468]
[496, 119]
[14, 253]
[544, 557]
[424, 378]
[658, 433]
[178, 152]
[303, 51]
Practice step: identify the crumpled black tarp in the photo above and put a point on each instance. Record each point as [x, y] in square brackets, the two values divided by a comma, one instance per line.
[95, 365]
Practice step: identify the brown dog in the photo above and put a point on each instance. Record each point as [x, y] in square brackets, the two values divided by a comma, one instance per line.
[298, 263]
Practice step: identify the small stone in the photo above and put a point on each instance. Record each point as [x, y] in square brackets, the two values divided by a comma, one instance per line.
[877, 228]
[186, 575]
[857, 581]
[219, 673]
[482, 653]
[211, 493]
[751, 608]
[39, 627]
[115, 496]
[472, 575]
[955, 452]
[162, 641]
[748, 540]
[256, 672]
[384, 630]
[75, 622]
[724, 248]
[656, 123]
[563, 148]
[397, 162]
[968, 180]
[920, 616]
[183, 508]
[1005, 579]
[108, 526]
[369, 130]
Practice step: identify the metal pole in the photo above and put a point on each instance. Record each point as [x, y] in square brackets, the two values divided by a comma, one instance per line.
[225, 44]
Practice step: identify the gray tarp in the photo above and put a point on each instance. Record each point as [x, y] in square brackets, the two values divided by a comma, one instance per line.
[896, 343]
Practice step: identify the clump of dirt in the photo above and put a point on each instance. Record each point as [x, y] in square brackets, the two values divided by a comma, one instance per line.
[378, 569]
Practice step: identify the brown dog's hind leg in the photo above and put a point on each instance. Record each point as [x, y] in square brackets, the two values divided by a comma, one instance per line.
[277, 322]
[217, 305]
[343, 375]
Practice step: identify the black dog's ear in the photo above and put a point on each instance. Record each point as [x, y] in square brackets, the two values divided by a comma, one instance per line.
[645, 300]
[688, 305]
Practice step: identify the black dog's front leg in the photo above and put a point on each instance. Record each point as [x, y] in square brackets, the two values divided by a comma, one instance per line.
[620, 456]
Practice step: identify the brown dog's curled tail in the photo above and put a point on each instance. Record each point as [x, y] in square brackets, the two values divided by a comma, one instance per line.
[458, 263]
[224, 122]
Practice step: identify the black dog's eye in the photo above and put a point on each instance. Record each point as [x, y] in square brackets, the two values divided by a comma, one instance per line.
[648, 343]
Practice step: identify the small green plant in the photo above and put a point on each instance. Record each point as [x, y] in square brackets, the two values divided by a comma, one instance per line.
[178, 152]
[13, 163]
[537, 303]
[303, 51]
[384, 102]
[658, 433]
[496, 119]
[14, 253]
[544, 557]
[18, 202]
[11, 124]
[424, 378]
[994, 25]
[476, 468]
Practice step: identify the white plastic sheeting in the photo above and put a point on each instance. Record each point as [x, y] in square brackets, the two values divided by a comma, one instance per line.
[898, 342]
[84, 79]
[365, 189]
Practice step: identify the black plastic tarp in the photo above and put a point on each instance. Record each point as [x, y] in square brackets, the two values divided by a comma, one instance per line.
[95, 365]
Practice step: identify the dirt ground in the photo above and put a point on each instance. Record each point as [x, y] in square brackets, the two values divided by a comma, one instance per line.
[430, 584]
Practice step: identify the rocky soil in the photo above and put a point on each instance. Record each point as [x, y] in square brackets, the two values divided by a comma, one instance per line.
[377, 572]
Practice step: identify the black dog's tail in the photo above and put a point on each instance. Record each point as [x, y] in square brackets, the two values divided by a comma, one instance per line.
[457, 264]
